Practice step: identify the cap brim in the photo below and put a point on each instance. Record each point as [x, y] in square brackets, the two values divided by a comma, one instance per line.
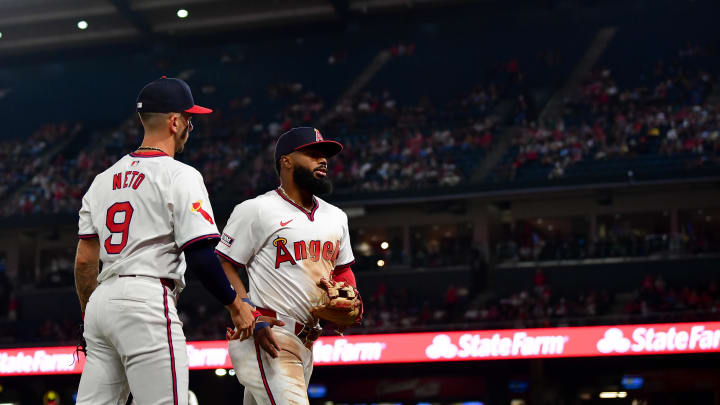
[196, 109]
[330, 148]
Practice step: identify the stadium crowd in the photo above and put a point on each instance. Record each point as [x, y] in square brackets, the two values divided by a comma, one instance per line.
[541, 306]
[21, 159]
[389, 147]
[396, 308]
[611, 243]
[394, 145]
[233, 149]
[665, 113]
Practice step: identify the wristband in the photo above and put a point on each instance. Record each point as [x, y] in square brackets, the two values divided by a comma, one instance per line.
[255, 312]
[259, 326]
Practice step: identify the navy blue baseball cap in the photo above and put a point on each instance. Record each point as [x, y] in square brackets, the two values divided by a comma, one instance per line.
[166, 95]
[304, 137]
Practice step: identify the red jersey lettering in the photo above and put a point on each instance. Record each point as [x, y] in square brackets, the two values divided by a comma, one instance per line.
[300, 250]
[327, 252]
[282, 255]
[130, 178]
[314, 250]
[117, 181]
[138, 181]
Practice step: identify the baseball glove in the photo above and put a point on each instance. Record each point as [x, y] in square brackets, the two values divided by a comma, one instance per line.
[341, 304]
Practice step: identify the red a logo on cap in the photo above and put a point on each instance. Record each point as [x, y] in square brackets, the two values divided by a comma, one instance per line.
[318, 136]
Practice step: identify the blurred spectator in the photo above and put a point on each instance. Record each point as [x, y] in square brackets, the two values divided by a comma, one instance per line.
[664, 114]
[611, 243]
[392, 308]
[388, 147]
[21, 158]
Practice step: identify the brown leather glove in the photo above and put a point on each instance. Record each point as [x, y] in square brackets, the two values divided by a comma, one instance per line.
[341, 304]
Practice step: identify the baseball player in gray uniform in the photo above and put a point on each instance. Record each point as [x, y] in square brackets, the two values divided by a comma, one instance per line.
[147, 218]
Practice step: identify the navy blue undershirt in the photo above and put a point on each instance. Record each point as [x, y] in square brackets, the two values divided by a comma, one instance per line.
[202, 261]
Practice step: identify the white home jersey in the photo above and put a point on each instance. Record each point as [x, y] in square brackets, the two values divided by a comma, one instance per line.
[145, 209]
[286, 250]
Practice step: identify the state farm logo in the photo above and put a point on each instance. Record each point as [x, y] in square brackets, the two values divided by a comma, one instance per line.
[441, 347]
[613, 341]
[673, 339]
[518, 344]
[343, 351]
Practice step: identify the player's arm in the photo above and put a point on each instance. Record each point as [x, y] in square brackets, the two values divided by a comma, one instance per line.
[231, 272]
[87, 258]
[195, 234]
[201, 260]
[237, 246]
[344, 273]
[345, 258]
[87, 265]
[262, 328]
[343, 270]
[237, 243]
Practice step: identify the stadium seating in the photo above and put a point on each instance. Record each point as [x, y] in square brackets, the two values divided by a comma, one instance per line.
[536, 302]
[298, 82]
[661, 124]
[424, 122]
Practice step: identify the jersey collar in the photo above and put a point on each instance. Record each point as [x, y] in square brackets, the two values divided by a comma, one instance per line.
[310, 215]
[148, 153]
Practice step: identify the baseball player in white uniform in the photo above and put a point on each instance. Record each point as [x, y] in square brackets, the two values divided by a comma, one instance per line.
[147, 218]
[287, 239]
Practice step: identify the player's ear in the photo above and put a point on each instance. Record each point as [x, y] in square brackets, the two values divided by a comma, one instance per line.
[174, 122]
[286, 162]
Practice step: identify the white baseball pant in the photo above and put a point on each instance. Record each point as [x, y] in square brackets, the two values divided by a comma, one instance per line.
[135, 343]
[268, 381]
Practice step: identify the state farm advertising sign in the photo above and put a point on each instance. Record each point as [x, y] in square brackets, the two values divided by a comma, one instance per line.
[430, 347]
[40, 360]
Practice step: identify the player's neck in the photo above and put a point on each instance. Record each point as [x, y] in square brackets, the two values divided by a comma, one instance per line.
[166, 145]
[298, 195]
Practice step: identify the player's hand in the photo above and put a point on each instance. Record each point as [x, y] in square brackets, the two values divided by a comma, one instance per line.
[264, 336]
[242, 317]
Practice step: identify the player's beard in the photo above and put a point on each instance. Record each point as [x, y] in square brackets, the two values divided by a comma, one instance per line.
[181, 139]
[306, 180]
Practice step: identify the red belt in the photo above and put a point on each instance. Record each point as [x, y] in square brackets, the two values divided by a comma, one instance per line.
[167, 282]
[306, 334]
[299, 327]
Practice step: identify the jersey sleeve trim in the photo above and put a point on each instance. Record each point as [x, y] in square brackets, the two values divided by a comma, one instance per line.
[228, 258]
[344, 266]
[199, 238]
[87, 235]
